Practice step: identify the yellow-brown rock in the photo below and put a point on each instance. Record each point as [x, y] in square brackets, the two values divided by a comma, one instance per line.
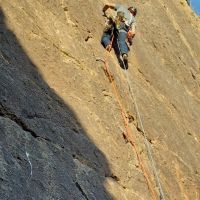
[62, 136]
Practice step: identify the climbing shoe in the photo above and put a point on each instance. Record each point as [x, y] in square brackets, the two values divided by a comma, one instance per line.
[125, 61]
[125, 57]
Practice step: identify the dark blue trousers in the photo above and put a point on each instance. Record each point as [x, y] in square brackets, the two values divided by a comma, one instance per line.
[120, 38]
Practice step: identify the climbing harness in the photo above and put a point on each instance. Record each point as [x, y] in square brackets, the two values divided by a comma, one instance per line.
[128, 133]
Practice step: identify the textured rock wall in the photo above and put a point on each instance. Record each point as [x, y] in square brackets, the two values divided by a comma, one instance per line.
[60, 125]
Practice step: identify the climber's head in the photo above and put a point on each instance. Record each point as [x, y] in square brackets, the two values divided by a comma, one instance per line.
[133, 10]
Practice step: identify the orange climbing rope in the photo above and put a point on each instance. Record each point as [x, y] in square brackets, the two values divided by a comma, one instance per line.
[128, 134]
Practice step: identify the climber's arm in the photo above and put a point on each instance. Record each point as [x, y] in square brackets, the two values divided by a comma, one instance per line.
[110, 5]
[133, 28]
[131, 33]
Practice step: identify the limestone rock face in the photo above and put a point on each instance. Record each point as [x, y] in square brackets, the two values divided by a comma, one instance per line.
[62, 135]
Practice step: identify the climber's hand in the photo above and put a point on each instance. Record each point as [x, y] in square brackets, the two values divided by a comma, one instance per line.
[130, 41]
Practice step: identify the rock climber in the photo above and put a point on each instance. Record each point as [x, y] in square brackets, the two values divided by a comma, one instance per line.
[122, 25]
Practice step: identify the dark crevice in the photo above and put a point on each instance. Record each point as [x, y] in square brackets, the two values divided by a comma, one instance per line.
[193, 76]
[197, 172]
[114, 177]
[150, 140]
[43, 138]
[125, 137]
[39, 116]
[190, 134]
[174, 106]
[1, 179]
[155, 45]
[19, 158]
[73, 155]
[131, 118]
[87, 38]
[139, 129]
[148, 81]
[6, 113]
[65, 8]
[81, 190]
[144, 135]
[75, 130]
